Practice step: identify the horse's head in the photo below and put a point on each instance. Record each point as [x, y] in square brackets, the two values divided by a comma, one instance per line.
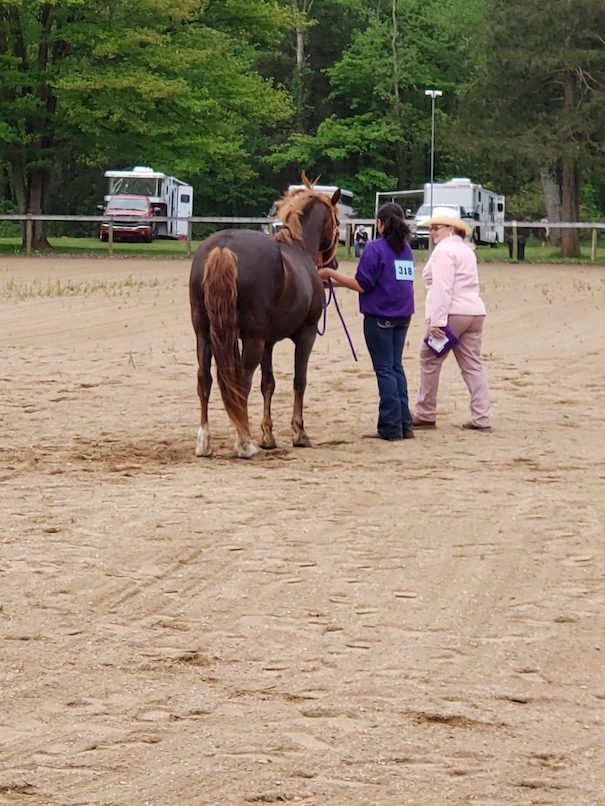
[312, 217]
[326, 257]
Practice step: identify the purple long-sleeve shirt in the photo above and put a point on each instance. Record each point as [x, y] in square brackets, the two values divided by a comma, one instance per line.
[387, 279]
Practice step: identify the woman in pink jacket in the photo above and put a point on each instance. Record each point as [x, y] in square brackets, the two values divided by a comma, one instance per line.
[452, 281]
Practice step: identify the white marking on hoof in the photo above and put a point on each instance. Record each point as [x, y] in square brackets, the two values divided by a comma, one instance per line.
[202, 446]
[245, 448]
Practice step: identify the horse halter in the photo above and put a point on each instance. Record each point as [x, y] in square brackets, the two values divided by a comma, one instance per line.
[325, 257]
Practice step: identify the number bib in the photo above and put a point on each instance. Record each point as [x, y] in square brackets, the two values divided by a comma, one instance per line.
[404, 269]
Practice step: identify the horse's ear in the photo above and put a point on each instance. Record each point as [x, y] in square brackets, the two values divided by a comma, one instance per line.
[306, 181]
[336, 197]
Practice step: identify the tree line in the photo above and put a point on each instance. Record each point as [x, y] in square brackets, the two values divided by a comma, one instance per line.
[238, 96]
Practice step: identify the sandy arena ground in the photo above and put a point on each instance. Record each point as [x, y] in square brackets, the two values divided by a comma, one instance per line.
[361, 623]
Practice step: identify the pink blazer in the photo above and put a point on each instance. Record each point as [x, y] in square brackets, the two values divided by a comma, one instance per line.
[452, 282]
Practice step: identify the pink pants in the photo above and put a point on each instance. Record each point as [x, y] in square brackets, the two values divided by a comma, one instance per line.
[468, 355]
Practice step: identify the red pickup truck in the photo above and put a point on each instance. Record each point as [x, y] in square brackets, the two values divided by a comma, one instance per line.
[130, 218]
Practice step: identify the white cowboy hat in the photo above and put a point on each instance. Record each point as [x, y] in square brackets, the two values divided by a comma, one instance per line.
[447, 216]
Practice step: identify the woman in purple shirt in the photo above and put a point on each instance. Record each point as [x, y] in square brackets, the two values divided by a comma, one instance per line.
[385, 283]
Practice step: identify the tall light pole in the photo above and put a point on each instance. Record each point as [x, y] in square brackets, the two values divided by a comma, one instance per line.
[433, 94]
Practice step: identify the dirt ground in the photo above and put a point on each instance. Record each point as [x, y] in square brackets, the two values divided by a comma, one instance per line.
[359, 623]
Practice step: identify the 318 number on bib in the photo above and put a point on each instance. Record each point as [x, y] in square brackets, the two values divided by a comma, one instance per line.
[404, 269]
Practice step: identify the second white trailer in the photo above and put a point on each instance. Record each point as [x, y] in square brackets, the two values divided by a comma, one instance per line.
[483, 208]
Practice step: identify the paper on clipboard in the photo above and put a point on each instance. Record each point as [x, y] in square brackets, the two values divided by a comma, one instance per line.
[441, 346]
[437, 345]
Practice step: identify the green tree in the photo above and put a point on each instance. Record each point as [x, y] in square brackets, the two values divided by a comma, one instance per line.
[171, 85]
[321, 30]
[376, 134]
[539, 112]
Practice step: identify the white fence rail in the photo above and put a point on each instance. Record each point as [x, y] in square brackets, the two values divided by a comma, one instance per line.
[515, 227]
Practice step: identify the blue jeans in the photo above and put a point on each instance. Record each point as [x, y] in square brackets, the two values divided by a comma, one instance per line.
[385, 339]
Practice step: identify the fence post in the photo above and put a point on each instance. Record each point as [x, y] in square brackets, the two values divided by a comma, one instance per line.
[515, 242]
[110, 239]
[28, 236]
[189, 232]
[593, 245]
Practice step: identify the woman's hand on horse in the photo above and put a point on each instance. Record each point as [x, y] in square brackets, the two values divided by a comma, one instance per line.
[340, 279]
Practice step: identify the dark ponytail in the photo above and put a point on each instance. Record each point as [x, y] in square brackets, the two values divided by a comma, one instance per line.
[396, 231]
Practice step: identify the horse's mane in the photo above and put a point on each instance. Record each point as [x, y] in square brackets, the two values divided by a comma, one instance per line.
[290, 210]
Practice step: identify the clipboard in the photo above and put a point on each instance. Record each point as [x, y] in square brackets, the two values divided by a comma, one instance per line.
[441, 347]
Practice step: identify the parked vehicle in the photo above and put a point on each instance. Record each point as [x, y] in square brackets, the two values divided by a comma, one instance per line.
[482, 208]
[419, 238]
[345, 205]
[170, 197]
[130, 218]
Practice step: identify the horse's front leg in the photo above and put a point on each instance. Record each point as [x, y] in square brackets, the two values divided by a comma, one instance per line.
[204, 385]
[304, 342]
[267, 386]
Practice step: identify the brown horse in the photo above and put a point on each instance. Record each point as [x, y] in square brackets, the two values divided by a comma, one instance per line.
[249, 291]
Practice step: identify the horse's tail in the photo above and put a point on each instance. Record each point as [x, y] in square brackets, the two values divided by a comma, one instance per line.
[219, 285]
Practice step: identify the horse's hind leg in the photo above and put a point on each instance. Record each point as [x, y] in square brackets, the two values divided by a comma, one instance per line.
[267, 386]
[204, 384]
[304, 344]
[252, 350]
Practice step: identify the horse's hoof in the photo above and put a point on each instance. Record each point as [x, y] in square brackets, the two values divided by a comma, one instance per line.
[202, 446]
[268, 444]
[304, 442]
[245, 450]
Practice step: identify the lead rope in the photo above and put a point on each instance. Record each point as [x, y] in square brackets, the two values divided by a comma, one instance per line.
[326, 302]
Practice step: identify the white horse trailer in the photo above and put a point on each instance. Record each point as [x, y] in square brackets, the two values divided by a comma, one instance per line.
[483, 208]
[173, 197]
